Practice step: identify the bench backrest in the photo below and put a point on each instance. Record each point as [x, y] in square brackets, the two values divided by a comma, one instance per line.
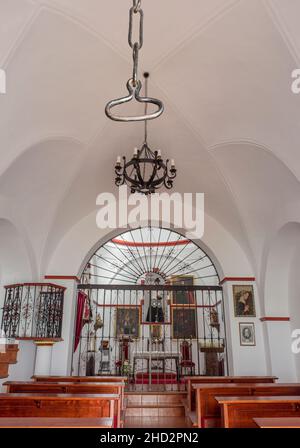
[57, 405]
[207, 408]
[80, 379]
[239, 412]
[190, 380]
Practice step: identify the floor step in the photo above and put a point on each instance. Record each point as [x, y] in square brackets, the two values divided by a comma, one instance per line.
[155, 399]
[154, 410]
[155, 422]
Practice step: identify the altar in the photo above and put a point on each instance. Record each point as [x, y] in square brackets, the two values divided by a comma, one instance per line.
[150, 356]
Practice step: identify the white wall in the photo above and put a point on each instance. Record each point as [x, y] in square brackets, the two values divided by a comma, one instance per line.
[281, 300]
[244, 360]
[24, 369]
[294, 304]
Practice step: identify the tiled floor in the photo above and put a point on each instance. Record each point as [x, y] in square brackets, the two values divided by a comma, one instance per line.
[150, 422]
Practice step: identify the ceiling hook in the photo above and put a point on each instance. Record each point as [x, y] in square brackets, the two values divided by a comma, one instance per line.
[134, 92]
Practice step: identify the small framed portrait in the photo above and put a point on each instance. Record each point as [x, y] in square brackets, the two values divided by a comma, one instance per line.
[243, 297]
[247, 334]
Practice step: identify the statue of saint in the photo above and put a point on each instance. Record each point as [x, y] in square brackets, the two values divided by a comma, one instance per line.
[155, 310]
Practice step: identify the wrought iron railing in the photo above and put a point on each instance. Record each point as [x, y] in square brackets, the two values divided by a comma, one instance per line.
[121, 332]
[33, 310]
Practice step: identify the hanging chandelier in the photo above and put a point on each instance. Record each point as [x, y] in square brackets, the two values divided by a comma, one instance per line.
[146, 172]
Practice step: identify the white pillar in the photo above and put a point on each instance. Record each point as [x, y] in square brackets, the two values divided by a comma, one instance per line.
[43, 357]
[281, 359]
[62, 351]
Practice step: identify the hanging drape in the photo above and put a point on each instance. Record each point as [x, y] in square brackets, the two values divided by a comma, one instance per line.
[81, 305]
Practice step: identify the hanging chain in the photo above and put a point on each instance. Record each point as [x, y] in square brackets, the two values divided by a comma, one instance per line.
[134, 85]
[136, 46]
[133, 11]
[146, 76]
[137, 5]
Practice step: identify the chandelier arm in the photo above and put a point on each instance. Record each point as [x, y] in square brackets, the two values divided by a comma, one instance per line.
[138, 172]
[155, 170]
[135, 182]
[168, 184]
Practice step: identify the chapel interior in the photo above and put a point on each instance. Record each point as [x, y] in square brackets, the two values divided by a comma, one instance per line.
[148, 323]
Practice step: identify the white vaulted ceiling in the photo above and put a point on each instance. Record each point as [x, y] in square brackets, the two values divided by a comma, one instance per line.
[223, 69]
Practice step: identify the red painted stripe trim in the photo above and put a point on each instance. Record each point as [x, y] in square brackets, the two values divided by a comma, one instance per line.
[275, 319]
[237, 279]
[62, 277]
[157, 244]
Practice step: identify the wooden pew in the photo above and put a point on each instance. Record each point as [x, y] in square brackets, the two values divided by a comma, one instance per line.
[11, 423]
[70, 388]
[272, 423]
[239, 412]
[208, 410]
[83, 379]
[58, 405]
[80, 379]
[220, 379]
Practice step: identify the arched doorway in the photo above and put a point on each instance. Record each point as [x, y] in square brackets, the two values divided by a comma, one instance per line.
[150, 307]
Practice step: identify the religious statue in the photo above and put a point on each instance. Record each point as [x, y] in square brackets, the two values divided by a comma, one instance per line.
[155, 310]
[98, 323]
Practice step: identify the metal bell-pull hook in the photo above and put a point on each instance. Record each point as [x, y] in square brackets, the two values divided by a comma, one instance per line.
[134, 92]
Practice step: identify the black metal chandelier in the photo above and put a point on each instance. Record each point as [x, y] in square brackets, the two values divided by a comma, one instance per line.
[146, 172]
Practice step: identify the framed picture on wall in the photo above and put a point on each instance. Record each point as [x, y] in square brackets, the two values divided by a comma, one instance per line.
[183, 297]
[128, 322]
[247, 334]
[184, 323]
[243, 298]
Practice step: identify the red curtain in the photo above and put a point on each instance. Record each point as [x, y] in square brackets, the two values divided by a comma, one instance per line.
[81, 302]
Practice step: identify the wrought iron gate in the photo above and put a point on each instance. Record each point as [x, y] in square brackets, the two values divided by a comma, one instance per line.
[152, 334]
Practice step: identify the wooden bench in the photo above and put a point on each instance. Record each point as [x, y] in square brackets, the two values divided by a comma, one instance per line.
[96, 423]
[239, 412]
[83, 379]
[288, 423]
[80, 379]
[208, 412]
[59, 405]
[71, 388]
[191, 399]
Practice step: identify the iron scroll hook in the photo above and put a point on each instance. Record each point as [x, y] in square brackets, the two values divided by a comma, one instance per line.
[134, 92]
[134, 85]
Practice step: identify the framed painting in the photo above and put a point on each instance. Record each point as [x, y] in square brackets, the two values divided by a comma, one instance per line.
[128, 322]
[183, 297]
[243, 297]
[247, 334]
[184, 323]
